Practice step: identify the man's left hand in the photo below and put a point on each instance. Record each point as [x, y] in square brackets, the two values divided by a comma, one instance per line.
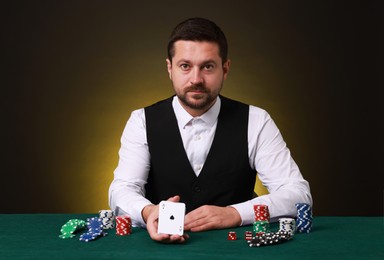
[211, 217]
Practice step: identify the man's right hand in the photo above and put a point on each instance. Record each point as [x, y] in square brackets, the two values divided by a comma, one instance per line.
[150, 215]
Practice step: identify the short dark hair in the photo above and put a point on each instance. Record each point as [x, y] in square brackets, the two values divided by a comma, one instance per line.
[198, 29]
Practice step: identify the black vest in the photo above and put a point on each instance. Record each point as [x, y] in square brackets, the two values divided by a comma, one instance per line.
[226, 177]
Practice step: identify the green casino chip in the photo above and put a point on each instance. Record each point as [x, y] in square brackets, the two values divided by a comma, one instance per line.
[71, 226]
[66, 236]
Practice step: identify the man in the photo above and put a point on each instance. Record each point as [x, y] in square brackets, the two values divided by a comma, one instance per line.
[201, 148]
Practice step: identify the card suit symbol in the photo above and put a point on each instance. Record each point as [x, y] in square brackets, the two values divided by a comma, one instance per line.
[172, 217]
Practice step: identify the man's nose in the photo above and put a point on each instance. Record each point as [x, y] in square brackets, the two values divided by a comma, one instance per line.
[196, 77]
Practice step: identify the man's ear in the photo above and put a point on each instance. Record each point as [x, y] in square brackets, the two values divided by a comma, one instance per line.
[169, 68]
[226, 66]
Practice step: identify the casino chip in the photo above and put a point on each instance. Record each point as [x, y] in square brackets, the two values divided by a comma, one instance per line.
[95, 226]
[66, 236]
[261, 212]
[94, 223]
[260, 226]
[123, 225]
[72, 226]
[304, 218]
[107, 217]
[270, 238]
[261, 223]
[95, 230]
[287, 224]
[88, 236]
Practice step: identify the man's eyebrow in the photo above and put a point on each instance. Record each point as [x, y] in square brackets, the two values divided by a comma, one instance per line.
[209, 61]
[203, 63]
[183, 61]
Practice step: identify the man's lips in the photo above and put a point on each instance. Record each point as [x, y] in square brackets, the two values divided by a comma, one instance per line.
[197, 90]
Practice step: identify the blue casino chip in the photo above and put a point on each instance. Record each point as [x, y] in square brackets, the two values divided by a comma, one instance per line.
[88, 236]
[94, 223]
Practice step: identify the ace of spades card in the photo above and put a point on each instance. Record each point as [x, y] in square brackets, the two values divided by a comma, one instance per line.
[171, 218]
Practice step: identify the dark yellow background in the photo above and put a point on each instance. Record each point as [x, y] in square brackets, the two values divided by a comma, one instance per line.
[75, 70]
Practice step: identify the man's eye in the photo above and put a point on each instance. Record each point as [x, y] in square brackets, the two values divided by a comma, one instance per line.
[184, 66]
[208, 67]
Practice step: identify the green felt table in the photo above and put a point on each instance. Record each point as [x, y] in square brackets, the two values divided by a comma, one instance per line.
[35, 236]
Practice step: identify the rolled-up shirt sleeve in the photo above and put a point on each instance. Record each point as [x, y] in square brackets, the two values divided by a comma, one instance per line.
[271, 158]
[127, 190]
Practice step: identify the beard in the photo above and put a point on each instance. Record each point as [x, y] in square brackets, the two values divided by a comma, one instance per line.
[198, 101]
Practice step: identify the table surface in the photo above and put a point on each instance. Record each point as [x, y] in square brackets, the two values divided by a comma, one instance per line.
[35, 236]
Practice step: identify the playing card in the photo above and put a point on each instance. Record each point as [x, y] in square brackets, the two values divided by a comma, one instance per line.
[171, 218]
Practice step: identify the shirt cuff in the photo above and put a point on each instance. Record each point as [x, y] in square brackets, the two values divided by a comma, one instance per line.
[246, 212]
[135, 213]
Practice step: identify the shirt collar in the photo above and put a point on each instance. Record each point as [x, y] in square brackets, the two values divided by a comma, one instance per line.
[183, 117]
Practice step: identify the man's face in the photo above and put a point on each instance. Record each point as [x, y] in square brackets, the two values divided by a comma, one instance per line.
[197, 74]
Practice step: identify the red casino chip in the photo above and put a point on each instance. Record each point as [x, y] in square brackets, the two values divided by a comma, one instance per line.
[261, 212]
[123, 225]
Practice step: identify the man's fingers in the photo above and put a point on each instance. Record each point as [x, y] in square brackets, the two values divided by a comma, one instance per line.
[194, 219]
[211, 217]
[179, 239]
[152, 226]
[196, 215]
[174, 198]
[164, 238]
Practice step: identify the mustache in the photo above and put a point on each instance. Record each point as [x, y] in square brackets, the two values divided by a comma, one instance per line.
[196, 87]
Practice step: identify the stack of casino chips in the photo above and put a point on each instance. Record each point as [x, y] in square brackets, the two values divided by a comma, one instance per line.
[261, 224]
[107, 218]
[95, 230]
[123, 225]
[288, 225]
[304, 218]
[269, 238]
[69, 228]
[261, 212]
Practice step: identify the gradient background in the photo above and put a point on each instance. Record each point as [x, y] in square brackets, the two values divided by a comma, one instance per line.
[75, 70]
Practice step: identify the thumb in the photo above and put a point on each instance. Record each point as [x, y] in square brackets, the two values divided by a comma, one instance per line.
[174, 198]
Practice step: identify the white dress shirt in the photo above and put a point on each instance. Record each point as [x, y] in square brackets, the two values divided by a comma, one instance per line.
[268, 155]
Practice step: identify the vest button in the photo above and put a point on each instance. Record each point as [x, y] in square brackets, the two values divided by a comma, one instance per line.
[197, 189]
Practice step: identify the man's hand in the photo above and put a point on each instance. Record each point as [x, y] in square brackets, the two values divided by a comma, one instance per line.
[211, 217]
[150, 215]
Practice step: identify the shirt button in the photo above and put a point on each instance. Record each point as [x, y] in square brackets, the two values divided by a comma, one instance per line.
[197, 189]
[197, 137]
